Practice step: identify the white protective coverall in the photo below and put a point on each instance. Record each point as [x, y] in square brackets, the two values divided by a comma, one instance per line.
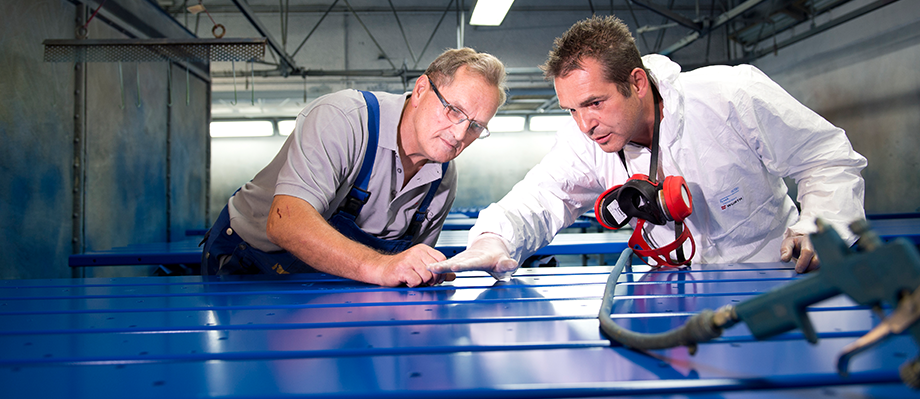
[733, 134]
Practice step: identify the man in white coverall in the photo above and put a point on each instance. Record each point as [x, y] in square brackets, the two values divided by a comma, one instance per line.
[731, 132]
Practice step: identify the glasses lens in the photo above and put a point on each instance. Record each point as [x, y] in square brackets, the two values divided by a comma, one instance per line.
[455, 114]
[479, 130]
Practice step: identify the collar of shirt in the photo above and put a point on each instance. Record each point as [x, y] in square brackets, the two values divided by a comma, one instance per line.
[665, 74]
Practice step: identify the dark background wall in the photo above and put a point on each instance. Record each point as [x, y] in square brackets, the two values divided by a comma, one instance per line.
[138, 170]
[861, 76]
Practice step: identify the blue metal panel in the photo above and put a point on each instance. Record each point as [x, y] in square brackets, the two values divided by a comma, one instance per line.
[891, 228]
[323, 336]
[450, 243]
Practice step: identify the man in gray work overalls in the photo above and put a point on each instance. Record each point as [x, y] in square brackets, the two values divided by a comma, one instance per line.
[362, 186]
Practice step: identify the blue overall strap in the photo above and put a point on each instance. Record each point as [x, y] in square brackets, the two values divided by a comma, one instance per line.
[416, 224]
[358, 195]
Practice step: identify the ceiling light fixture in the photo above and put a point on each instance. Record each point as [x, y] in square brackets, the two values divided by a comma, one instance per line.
[490, 12]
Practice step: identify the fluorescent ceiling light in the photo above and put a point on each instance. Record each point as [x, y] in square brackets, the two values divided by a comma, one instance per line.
[242, 129]
[506, 124]
[490, 12]
[548, 123]
[286, 127]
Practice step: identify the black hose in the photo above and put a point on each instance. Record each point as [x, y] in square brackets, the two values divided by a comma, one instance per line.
[702, 327]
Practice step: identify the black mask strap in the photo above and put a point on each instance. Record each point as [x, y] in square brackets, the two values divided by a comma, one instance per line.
[653, 168]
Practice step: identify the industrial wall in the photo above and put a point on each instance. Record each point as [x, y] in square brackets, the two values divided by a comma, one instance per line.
[119, 161]
[862, 76]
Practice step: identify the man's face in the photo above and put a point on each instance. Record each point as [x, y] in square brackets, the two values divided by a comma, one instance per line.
[438, 138]
[601, 111]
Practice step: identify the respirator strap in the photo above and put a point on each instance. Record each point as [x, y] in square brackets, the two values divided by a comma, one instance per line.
[678, 230]
[653, 167]
[661, 255]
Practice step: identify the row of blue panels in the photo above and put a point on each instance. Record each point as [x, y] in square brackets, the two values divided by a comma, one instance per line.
[321, 336]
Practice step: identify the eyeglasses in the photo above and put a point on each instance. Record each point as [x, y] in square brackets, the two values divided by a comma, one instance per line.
[457, 116]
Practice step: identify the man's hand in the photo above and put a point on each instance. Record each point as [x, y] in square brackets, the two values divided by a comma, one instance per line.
[488, 253]
[410, 267]
[799, 248]
[296, 226]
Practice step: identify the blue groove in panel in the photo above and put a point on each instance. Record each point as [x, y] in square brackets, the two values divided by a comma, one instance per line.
[354, 343]
[148, 352]
[261, 339]
[284, 306]
[173, 280]
[145, 348]
[701, 302]
[298, 354]
[205, 300]
[248, 280]
[67, 295]
[66, 292]
[389, 323]
[293, 326]
[321, 277]
[720, 281]
[648, 322]
[574, 372]
[437, 307]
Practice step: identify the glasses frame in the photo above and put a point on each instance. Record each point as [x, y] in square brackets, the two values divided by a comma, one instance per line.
[452, 111]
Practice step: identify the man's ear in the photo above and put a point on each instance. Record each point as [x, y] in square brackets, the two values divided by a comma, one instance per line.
[422, 84]
[640, 82]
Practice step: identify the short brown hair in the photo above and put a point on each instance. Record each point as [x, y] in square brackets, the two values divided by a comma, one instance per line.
[607, 40]
[442, 69]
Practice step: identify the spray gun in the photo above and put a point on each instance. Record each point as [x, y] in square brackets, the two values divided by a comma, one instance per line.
[873, 274]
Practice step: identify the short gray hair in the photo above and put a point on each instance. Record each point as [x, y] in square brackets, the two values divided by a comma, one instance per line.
[443, 68]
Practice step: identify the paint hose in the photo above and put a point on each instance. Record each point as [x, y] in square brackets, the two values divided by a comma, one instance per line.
[702, 327]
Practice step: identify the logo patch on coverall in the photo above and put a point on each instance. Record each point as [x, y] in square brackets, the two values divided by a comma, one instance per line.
[730, 199]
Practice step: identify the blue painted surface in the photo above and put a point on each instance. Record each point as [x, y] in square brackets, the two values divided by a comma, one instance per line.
[322, 336]
[451, 242]
[888, 229]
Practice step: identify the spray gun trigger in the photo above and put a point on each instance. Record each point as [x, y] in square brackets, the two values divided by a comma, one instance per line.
[906, 314]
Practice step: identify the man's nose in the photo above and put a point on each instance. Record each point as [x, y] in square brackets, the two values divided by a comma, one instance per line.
[460, 130]
[586, 122]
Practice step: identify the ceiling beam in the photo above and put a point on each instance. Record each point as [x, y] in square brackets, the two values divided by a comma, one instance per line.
[669, 14]
[818, 29]
[287, 63]
[314, 28]
[722, 19]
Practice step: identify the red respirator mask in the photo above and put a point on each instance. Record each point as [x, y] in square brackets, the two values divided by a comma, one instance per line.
[650, 201]
[656, 203]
